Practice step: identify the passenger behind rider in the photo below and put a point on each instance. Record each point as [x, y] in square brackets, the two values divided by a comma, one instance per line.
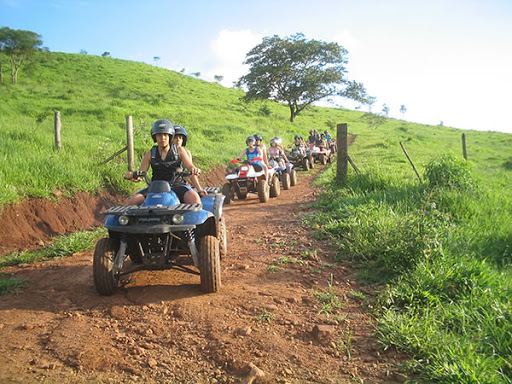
[254, 155]
[263, 147]
[311, 137]
[180, 139]
[165, 159]
[321, 142]
[276, 151]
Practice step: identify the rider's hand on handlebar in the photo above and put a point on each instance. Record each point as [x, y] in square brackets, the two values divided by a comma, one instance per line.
[195, 171]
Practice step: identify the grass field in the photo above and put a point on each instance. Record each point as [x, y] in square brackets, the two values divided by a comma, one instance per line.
[441, 249]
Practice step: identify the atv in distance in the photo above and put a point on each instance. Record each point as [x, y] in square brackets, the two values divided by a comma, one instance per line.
[299, 158]
[248, 177]
[162, 233]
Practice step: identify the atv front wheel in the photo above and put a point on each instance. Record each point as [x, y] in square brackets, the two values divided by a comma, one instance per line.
[285, 179]
[106, 280]
[311, 162]
[293, 177]
[209, 264]
[275, 188]
[226, 191]
[263, 190]
[305, 164]
[323, 160]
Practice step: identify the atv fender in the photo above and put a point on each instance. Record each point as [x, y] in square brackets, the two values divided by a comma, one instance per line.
[214, 204]
[196, 218]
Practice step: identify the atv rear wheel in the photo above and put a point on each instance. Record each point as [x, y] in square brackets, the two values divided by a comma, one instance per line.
[105, 280]
[222, 235]
[293, 177]
[275, 188]
[226, 191]
[209, 264]
[263, 190]
[285, 179]
[311, 162]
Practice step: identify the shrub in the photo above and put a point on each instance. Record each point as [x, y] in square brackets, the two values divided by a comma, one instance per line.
[451, 172]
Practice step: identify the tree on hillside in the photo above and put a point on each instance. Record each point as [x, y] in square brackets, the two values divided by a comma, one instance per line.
[18, 46]
[298, 72]
[218, 78]
[105, 54]
[403, 109]
[385, 109]
[374, 120]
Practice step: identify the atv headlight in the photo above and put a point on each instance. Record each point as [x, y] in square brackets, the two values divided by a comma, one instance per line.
[123, 220]
[177, 219]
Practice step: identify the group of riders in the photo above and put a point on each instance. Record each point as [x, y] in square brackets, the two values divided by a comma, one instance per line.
[169, 156]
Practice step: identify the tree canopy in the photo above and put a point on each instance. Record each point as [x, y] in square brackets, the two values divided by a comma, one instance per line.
[17, 45]
[298, 72]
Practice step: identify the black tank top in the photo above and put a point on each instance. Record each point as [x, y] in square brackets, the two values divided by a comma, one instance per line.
[165, 169]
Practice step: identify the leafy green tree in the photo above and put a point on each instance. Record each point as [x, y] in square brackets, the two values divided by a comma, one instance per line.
[218, 78]
[19, 46]
[106, 54]
[403, 109]
[298, 72]
[385, 110]
[373, 120]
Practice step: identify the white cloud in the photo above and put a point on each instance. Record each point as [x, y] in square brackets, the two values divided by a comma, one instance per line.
[229, 49]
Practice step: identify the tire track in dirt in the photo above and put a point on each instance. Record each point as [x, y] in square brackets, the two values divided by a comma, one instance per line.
[160, 327]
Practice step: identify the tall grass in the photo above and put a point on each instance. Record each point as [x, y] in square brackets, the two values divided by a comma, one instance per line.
[443, 249]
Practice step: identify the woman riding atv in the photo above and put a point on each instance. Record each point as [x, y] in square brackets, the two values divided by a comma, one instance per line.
[276, 151]
[254, 155]
[165, 160]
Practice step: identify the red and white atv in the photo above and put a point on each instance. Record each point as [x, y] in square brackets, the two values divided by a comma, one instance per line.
[249, 177]
[320, 154]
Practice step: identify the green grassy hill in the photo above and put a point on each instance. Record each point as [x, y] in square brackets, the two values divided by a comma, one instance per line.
[95, 94]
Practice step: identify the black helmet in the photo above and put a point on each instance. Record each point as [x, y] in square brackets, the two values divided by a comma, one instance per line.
[179, 130]
[250, 138]
[297, 137]
[311, 132]
[257, 136]
[162, 126]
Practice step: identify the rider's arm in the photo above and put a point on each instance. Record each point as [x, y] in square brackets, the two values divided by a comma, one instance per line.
[239, 157]
[265, 158]
[187, 161]
[144, 167]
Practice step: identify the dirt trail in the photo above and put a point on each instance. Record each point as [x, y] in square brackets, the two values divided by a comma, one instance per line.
[161, 328]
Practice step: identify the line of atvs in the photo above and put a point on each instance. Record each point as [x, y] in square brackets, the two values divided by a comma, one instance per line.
[164, 233]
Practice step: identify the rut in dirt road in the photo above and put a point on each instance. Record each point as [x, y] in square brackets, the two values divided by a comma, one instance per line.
[286, 309]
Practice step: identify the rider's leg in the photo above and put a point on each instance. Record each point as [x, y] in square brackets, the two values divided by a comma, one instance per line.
[191, 197]
[136, 199]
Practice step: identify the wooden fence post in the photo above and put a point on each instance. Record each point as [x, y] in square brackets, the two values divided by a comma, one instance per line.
[129, 142]
[410, 161]
[342, 141]
[464, 151]
[58, 143]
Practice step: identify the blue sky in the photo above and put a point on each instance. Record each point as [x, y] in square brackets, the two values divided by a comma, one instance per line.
[447, 61]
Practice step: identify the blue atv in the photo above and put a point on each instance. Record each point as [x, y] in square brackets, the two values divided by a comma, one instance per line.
[160, 234]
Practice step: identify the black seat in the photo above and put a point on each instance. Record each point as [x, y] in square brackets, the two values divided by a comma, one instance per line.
[159, 186]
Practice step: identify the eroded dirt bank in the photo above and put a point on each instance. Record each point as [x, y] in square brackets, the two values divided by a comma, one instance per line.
[161, 328]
